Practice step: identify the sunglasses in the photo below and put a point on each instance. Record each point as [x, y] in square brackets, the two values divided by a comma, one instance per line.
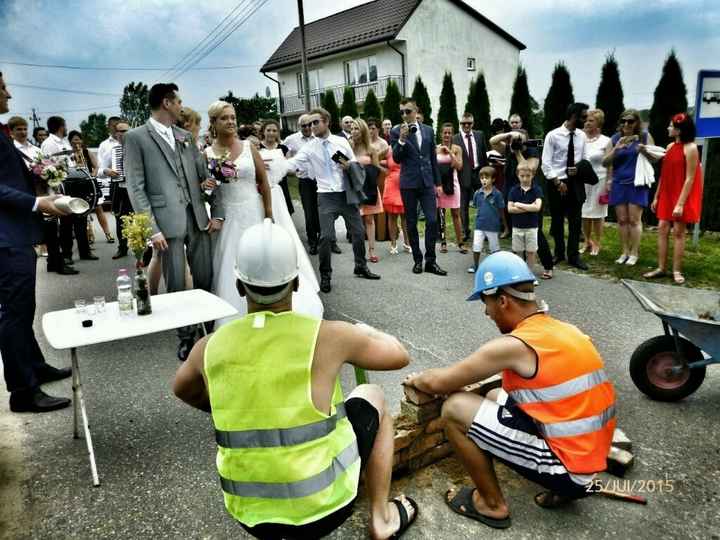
[406, 111]
[627, 121]
[466, 123]
[315, 122]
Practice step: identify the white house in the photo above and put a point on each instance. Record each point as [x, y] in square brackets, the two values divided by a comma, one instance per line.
[371, 44]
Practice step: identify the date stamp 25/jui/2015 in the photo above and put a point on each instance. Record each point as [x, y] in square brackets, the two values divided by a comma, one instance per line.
[666, 485]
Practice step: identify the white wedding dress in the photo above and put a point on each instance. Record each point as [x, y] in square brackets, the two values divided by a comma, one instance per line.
[243, 208]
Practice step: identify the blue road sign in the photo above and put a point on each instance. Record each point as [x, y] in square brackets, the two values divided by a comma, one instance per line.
[707, 104]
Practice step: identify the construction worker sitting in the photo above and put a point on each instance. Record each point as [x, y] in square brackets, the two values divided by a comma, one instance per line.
[290, 448]
[553, 419]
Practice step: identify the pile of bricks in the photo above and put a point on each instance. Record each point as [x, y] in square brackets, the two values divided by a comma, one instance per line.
[420, 439]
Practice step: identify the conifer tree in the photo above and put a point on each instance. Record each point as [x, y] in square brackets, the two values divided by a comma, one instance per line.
[521, 102]
[391, 104]
[670, 99]
[478, 104]
[349, 106]
[327, 102]
[422, 100]
[559, 98]
[610, 95]
[448, 106]
[371, 107]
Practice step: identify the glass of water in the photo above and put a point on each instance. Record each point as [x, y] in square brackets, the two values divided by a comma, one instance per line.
[80, 305]
[99, 302]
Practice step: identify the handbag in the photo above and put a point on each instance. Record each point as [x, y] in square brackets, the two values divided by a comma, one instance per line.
[370, 186]
[446, 178]
[604, 198]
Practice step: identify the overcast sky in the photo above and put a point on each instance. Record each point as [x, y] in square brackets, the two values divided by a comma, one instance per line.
[158, 33]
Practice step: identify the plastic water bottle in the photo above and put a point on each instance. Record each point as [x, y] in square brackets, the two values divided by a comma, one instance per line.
[125, 294]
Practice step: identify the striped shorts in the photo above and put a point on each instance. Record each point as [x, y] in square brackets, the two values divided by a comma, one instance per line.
[512, 436]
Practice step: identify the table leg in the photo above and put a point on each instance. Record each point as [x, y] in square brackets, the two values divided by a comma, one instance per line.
[76, 391]
[79, 402]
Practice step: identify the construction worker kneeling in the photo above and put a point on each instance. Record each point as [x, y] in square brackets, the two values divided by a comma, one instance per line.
[290, 447]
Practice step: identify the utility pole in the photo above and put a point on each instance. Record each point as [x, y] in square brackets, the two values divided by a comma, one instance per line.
[305, 77]
[35, 119]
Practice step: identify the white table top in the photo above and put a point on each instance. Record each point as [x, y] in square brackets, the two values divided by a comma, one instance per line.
[63, 329]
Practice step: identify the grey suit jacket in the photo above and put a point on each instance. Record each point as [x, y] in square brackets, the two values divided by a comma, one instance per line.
[153, 181]
[469, 177]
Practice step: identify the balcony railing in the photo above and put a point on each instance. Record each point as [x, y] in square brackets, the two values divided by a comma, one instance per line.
[295, 103]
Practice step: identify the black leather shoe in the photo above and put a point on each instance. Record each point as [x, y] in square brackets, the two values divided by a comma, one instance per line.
[417, 268]
[558, 260]
[578, 263]
[325, 285]
[89, 257]
[36, 401]
[184, 349]
[49, 373]
[365, 272]
[435, 269]
[67, 271]
[68, 261]
[335, 248]
[120, 254]
[313, 249]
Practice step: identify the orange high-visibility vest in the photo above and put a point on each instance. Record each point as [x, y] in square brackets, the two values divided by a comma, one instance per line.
[570, 396]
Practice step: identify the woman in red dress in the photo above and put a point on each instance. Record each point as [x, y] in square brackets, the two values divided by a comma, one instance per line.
[678, 199]
[392, 202]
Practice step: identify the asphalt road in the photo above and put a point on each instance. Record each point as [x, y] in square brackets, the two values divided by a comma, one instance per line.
[156, 456]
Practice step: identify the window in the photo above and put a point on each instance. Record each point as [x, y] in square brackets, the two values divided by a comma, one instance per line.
[314, 76]
[361, 71]
[471, 64]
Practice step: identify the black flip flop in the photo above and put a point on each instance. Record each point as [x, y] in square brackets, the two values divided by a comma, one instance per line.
[464, 498]
[405, 522]
[558, 501]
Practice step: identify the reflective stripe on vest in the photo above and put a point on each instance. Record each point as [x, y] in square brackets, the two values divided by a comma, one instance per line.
[581, 426]
[567, 389]
[269, 438]
[294, 490]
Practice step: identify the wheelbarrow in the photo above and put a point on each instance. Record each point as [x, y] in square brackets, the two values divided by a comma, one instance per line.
[672, 366]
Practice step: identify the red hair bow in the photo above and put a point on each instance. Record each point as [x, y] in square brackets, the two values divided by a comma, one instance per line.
[679, 118]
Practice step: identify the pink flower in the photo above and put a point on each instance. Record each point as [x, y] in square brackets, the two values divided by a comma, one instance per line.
[227, 172]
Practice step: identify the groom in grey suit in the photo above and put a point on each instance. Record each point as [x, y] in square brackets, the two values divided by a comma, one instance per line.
[164, 171]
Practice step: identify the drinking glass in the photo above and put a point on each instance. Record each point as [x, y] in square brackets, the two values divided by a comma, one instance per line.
[99, 302]
[80, 305]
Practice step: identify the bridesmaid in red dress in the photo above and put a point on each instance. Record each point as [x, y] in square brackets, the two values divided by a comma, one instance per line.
[678, 199]
[392, 202]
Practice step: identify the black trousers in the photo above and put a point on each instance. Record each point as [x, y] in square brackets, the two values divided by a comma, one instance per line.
[286, 193]
[121, 206]
[309, 198]
[466, 196]
[427, 198]
[52, 242]
[562, 207]
[78, 225]
[544, 254]
[21, 355]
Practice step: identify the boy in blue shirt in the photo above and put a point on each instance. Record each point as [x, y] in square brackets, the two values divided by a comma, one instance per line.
[524, 205]
[489, 203]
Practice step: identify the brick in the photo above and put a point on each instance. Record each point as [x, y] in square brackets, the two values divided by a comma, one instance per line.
[431, 456]
[420, 414]
[619, 461]
[620, 440]
[434, 426]
[405, 437]
[413, 395]
[483, 387]
[423, 444]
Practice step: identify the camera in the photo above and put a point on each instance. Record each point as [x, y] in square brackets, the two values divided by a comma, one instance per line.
[413, 128]
[338, 157]
[519, 144]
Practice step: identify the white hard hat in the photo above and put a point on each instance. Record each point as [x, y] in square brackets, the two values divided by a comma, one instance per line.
[266, 257]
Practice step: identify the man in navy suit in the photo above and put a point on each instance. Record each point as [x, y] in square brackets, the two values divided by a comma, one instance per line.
[413, 146]
[20, 228]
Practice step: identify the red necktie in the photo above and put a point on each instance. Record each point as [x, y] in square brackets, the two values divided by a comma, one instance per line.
[471, 152]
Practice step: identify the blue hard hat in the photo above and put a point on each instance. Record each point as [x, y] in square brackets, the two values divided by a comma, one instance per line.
[498, 270]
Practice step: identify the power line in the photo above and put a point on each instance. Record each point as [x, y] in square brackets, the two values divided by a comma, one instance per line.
[253, 9]
[202, 41]
[89, 109]
[62, 90]
[105, 68]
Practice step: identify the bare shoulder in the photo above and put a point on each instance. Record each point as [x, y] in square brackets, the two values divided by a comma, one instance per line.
[690, 149]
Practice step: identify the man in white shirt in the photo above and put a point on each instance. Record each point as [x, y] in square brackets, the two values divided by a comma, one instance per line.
[325, 158]
[564, 147]
[474, 152]
[19, 132]
[109, 159]
[306, 185]
[347, 127]
[57, 140]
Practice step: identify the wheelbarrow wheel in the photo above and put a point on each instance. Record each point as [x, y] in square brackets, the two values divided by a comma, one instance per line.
[661, 373]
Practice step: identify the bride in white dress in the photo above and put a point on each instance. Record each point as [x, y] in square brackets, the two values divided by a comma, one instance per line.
[246, 199]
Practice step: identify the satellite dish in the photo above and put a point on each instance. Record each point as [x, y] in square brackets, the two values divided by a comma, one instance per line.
[267, 91]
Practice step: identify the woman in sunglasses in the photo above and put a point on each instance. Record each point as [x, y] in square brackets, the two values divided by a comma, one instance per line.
[629, 200]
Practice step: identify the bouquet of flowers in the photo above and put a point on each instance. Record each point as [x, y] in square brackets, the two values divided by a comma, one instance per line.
[50, 172]
[222, 170]
[137, 230]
